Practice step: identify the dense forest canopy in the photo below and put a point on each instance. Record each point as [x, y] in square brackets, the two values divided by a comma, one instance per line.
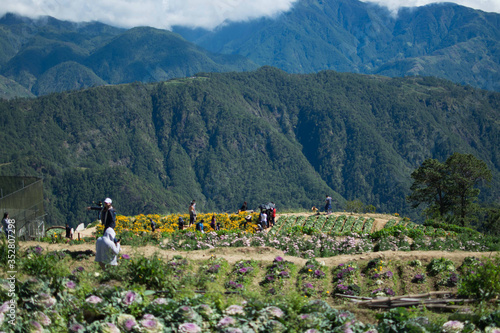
[259, 136]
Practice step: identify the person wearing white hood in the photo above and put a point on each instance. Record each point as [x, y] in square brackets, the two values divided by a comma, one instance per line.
[106, 249]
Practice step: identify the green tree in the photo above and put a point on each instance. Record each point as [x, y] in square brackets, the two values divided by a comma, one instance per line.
[370, 209]
[450, 187]
[429, 187]
[490, 220]
[465, 172]
[354, 206]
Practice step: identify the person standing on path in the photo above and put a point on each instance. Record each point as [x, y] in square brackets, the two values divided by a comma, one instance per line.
[263, 219]
[192, 213]
[69, 231]
[328, 204]
[273, 215]
[108, 214]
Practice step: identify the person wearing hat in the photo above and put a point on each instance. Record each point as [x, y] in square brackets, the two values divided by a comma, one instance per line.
[248, 219]
[108, 214]
[181, 223]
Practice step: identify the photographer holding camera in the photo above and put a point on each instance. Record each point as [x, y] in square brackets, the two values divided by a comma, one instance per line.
[107, 214]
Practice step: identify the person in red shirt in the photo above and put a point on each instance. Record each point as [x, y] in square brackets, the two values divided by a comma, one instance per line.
[273, 215]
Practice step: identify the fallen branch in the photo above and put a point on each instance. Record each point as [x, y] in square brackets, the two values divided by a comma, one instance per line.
[431, 299]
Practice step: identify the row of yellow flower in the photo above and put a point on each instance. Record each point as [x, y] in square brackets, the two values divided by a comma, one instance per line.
[170, 223]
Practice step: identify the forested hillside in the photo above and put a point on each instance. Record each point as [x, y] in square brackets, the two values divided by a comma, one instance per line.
[260, 136]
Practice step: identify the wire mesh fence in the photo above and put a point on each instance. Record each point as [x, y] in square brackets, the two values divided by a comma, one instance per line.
[22, 198]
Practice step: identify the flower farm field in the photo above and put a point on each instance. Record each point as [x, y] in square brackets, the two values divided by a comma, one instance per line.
[309, 273]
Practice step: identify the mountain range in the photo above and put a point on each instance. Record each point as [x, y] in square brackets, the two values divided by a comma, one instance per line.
[47, 55]
[42, 56]
[259, 136]
[443, 40]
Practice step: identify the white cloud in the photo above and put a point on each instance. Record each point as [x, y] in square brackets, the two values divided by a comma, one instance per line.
[484, 5]
[156, 13]
[194, 13]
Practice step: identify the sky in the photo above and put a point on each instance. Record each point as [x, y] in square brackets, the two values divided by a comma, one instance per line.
[164, 14]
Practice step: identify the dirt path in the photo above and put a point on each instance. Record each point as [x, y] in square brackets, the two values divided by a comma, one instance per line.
[233, 255]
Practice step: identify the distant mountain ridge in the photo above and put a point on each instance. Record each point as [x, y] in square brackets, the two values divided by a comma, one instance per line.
[47, 55]
[443, 40]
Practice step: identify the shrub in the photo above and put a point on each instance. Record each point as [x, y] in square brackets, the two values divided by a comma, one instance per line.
[482, 282]
[402, 320]
[153, 272]
[440, 265]
[470, 263]
[36, 263]
[394, 231]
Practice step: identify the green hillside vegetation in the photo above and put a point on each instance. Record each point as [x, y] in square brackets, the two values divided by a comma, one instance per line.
[10, 89]
[260, 136]
[68, 75]
[151, 55]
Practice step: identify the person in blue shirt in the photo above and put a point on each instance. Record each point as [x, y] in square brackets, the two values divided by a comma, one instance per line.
[199, 226]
